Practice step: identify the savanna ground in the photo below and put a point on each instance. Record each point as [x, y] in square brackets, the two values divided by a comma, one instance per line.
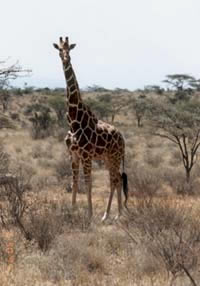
[44, 242]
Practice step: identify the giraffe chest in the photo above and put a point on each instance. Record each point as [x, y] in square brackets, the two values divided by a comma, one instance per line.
[86, 141]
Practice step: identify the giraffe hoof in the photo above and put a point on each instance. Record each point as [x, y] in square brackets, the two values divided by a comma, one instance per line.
[117, 216]
[105, 216]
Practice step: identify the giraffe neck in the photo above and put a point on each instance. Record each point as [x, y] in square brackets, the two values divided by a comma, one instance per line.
[79, 115]
[73, 92]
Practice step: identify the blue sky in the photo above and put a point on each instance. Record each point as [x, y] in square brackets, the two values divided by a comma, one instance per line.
[120, 43]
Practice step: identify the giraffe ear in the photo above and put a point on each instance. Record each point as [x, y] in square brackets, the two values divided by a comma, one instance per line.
[56, 46]
[72, 46]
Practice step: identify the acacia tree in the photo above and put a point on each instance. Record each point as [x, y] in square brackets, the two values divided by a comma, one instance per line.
[113, 102]
[180, 124]
[59, 105]
[4, 98]
[41, 122]
[140, 107]
[9, 72]
[119, 102]
[102, 105]
[179, 81]
[195, 84]
[182, 84]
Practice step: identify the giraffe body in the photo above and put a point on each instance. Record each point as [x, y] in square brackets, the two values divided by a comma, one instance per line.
[100, 143]
[90, 138]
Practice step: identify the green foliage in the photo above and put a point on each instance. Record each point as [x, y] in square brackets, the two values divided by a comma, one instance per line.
[182, 84]
[107, 105]
[153, 88]
[51, 92]
[16, 91]
[140, 107]
[106, 98]
[179, 81]
[120, 90]
[41, 123]
[28, 89]
[58, 103]
[96, 88]
[36, 107]
[4, 98]
[101, 107]
[179, 118]
[195, 84]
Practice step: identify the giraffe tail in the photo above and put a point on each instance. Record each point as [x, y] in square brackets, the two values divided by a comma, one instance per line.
[125, 187]
[124, 182]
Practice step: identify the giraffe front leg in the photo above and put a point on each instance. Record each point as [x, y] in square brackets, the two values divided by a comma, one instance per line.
[75, 174]
[87, 167]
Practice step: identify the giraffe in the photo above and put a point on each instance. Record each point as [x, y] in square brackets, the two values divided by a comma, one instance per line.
[90, 139]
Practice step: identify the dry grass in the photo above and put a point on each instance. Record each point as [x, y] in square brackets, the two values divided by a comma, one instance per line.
[68, 249]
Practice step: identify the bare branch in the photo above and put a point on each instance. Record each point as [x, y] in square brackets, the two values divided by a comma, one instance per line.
[165, 136]
[12, 71]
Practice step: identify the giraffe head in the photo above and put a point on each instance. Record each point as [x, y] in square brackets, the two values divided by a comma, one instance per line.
[64, 49]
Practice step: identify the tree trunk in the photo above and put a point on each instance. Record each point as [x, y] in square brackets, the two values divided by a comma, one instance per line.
[112, 118]
[187, 171]
[139, 121]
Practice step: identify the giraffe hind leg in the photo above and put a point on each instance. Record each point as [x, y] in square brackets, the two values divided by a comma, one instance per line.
[115, 183]
[107, 212]
[75, 173]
